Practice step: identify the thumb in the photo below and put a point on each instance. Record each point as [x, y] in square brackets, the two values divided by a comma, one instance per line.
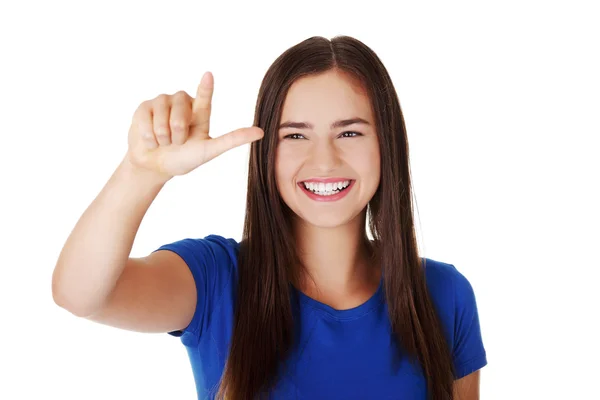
[219, 145]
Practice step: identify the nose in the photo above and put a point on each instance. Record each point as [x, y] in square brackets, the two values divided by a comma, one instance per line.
[324, 157]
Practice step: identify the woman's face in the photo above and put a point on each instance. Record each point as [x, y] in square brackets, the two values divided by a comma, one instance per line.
[327, 161]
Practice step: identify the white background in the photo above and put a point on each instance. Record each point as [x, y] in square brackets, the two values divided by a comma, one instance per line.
[501, 102]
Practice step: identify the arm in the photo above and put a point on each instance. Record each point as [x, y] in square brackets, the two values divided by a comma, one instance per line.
[94, 276]
[467, 388]
[468, 351]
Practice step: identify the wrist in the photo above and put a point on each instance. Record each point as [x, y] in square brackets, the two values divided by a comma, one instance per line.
[142, 175]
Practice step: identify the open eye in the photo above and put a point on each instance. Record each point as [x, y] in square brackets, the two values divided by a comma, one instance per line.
[294, 136]
[350, 134]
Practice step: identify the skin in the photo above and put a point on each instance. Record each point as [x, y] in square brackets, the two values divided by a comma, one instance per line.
[330, 234]
[467, 388]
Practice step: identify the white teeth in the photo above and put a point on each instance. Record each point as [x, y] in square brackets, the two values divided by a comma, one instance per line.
[326, 189]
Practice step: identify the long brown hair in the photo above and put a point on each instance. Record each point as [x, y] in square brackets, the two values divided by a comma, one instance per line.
[263, 324]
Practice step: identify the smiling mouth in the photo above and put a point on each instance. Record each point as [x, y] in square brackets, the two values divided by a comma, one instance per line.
[326, 191]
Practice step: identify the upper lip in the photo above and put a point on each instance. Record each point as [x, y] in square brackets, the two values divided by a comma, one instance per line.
[326, 180]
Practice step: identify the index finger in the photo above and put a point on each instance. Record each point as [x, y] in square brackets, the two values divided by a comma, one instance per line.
[202, 103]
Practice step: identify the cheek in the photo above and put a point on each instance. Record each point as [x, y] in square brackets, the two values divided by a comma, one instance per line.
[371, 171]
[285, 167]
[289, 156]
[366, 161]
[375, 162]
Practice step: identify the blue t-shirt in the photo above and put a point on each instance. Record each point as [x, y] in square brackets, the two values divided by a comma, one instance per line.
[340, 354]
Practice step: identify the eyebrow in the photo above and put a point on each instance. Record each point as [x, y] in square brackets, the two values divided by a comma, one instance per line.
[337, 124]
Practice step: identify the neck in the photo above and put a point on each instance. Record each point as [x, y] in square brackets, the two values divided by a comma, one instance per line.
[337, 261]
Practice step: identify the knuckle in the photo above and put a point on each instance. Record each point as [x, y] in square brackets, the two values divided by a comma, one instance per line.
[142, 109]
[161, 131]
[181, 95]
[178, 125]
[161, 99]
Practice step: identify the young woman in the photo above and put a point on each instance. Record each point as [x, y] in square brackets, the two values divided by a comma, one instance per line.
[306, 306]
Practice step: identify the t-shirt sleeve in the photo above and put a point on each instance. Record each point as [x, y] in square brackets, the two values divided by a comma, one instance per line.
[468, 351]
[213, 263]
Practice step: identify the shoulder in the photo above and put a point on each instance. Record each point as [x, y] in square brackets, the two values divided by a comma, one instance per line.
[215, 246]
[212, 261]
[209, 255]
[444, 279]
[450, 290]
[454, 299]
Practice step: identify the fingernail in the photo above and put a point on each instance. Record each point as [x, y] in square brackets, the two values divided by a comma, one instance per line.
[204, 80]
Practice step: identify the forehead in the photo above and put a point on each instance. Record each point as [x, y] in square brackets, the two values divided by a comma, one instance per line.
[326, 97]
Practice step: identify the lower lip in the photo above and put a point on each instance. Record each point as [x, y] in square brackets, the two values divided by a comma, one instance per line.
[333, 197]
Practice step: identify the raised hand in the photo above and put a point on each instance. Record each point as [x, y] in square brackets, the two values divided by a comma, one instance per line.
[169, 135]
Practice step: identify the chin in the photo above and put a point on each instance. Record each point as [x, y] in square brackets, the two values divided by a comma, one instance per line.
[326, 220]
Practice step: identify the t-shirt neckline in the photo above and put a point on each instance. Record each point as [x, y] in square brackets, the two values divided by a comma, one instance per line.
[348, 314]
